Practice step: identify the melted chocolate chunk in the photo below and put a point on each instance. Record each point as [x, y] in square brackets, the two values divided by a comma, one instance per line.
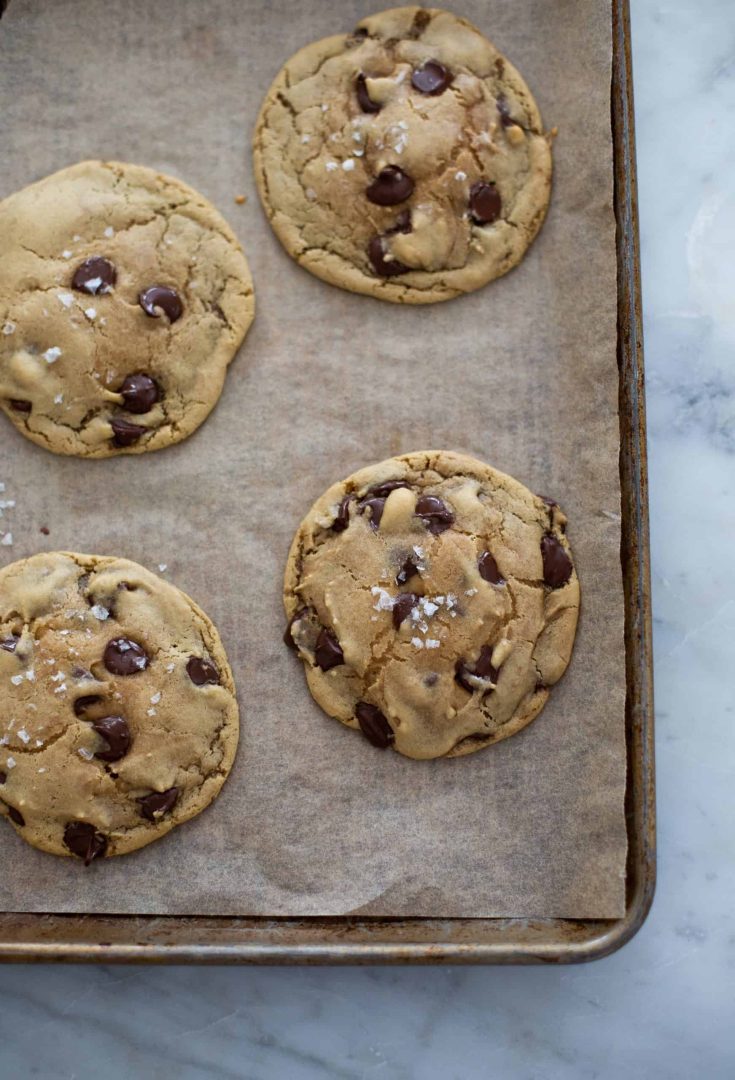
[124, 657]
[328, 652]
[485, 203]
[402, 224]
[16, 816]
[116, 733]
[125, 433]
[482, 669]
[202, 671]
[384, 490]
[140, 392]
[489, 569]
[342, 519]
[9, 643]
[161, 298]
[363, 97]
[435, 514]
[287, 635]
[158, 803]
[83, 703]
[391, 186]
[3, 777]
[83, 840]
[376, 507]
[407, 571]
[96, 275]
[557, 564]
[382, 266]
[374, 725]
[431, 78]
[20, 406]
[403, 605]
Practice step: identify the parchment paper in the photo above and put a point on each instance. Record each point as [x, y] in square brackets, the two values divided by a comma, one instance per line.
[522, 374]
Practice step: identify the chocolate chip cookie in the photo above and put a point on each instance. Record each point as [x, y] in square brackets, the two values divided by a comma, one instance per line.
[433, 601]
[124, 295]
[405, 160]
[118, 718]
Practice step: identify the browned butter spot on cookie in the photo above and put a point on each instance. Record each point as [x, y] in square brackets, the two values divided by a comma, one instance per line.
[158, 803]
[161, 299]
[489, 569]
[125, 657]
[140, 392]
[391, 186]
[485, 203]
[95, 275]
[328, 652]
[124, 433]
[431, 78]
[557, 564]
[384, 267]
[116, 733]
[374, 725]
[403, 605]
[84, 840]
[363, 97]
[435, 513]
[201, 671]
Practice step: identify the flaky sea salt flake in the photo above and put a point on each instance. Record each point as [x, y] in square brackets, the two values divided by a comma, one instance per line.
[9, 328]
[7, 539]
[156, 698]
[66, 299]
[52, 355]
[100, 612]
[23, 735]
[85, 753]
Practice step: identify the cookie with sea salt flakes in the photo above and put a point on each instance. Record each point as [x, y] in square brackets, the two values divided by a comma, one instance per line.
[118, 717]
[406, 160]
[433, 601]
[124, 295]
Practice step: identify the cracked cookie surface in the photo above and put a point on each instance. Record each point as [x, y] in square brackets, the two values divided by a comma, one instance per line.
[434, 603]
[124, 295]
[406, 160]
[118, 717]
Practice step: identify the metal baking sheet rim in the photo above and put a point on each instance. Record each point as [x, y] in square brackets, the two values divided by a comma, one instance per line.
[172, 939]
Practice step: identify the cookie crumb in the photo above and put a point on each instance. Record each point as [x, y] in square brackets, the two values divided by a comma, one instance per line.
[7, 539]
[45, 530]
[240, 199]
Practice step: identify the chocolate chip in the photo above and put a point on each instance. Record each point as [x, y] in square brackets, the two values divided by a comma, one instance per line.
[403, 605]
[161, 298]
[384, 490]
[431, 679]
[382, 266]
[557, 564]
[287, 635]
[83, 840]
[81, 673]
[391, 186]
[481, 669]
[431, 78]
[125, 433]
[20, 406]
[328, 652]
[16, 816]
[503, 108]
[140, 392]
[116, 733]
[489, 569]
[3, 777]
[83, 703]
[342, 519]
[158, 803]
[485, 203]
[376, 507]
[363, 98]
[407, 571]
[202, 671]
[10, 643]
[124, 657]
[374, 725]
[435, 514]
[96, 275]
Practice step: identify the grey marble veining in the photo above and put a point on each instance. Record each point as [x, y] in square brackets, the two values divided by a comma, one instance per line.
[664, 1007]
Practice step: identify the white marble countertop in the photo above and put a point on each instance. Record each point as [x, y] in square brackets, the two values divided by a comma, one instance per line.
[663, 1007]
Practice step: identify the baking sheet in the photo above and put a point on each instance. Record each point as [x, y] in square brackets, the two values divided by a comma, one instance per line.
[522, 374]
